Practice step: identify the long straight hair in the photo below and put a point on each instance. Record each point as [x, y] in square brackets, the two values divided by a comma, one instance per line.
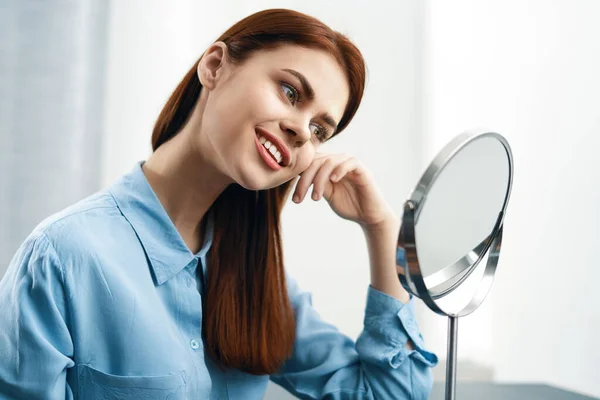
[248, 322]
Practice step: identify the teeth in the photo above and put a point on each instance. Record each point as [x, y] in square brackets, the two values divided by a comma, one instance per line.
[271, 148]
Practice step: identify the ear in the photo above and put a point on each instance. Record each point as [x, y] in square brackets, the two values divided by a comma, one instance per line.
[210, 67]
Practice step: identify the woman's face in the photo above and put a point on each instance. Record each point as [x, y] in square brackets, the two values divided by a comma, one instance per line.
[292, 97]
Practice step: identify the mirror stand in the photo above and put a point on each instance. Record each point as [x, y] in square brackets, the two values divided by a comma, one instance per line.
[451, 358]
[459, 204]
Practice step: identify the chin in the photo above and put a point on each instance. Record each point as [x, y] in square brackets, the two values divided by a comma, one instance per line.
[253, 181]
[258, 180]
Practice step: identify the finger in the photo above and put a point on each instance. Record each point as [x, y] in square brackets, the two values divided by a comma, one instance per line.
[344, 168]
[306, 179]
[322, 177]
[321, 183]
[293, 183]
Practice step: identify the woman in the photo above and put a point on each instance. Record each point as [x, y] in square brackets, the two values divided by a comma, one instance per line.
[170, 283]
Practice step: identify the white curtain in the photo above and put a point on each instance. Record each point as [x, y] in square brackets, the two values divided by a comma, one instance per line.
[52, 79]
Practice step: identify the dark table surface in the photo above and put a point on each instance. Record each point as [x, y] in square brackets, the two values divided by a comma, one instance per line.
[496, 391]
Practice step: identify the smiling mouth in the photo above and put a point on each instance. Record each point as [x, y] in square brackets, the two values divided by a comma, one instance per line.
[271, 148]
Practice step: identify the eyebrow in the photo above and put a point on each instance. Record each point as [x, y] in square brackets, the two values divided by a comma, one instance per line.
[310, 94]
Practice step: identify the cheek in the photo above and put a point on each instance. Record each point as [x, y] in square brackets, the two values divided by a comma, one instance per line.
[229, 116]
[265, 104]
[246, 103]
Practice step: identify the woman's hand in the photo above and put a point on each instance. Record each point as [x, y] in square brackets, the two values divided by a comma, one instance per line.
[351, 192]
[348, 187]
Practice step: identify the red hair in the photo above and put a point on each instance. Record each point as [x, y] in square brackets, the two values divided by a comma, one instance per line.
[248, 322]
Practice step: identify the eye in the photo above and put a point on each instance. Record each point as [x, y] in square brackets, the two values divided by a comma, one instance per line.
[320, 132]
[290, 92]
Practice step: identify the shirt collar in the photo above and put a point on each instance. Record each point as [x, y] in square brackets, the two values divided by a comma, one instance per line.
[167, 252]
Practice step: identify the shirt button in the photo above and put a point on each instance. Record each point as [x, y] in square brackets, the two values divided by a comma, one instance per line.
[194, 344]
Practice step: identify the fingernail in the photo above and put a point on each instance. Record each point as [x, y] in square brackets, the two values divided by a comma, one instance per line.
[315, 196]
[334, 177]
[296, 198]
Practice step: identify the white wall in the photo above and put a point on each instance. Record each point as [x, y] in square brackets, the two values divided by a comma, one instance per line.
[530, 71]
[151, 46]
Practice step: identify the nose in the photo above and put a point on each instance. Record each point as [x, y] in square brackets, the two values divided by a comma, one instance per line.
[298, 131]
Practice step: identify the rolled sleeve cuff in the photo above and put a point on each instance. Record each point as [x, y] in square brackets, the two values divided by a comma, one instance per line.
[395, 322]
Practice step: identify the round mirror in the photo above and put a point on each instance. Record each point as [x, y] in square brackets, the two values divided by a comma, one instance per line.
[453, 218]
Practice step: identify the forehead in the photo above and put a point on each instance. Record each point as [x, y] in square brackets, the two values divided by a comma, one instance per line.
[322, 71]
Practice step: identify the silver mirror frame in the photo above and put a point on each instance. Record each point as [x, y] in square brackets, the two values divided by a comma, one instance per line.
[436, 285]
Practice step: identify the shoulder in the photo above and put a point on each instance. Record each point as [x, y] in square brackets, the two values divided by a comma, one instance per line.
[64, 246]
[99, 202]
[74, 231]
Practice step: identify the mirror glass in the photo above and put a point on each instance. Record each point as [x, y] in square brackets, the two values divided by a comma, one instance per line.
[460, 210]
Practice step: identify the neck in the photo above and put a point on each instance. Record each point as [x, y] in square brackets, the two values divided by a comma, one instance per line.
[186, 180]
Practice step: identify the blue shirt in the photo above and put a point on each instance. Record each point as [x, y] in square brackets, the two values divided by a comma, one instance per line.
[103, 301]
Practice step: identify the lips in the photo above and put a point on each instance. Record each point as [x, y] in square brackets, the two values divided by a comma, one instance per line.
[266, 155]
[279, 144]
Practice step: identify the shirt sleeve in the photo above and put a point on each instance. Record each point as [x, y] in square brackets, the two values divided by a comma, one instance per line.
[35, 344]
[326, 364]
